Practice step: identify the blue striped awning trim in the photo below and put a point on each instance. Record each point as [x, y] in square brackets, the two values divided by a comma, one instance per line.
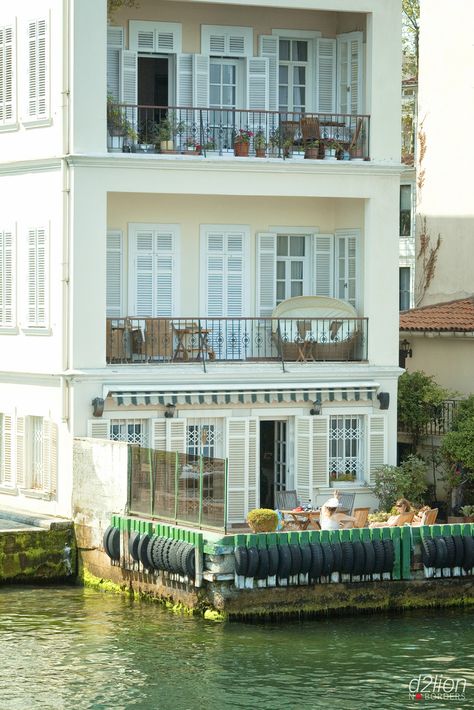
[245, 396]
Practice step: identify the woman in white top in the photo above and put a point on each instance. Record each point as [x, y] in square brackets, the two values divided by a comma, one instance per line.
[330, 519]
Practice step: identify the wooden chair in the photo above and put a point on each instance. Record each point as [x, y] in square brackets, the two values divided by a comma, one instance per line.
[428, 517]
[360, 517]
[286, 500]
[346, 501]
[404, 519]
[310, 129]
[353, 145]
[158, 339]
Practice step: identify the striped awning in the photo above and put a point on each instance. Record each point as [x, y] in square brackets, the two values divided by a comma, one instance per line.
[244, 396]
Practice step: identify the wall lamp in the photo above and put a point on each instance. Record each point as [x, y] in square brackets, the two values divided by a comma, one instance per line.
[97, 406]
[316, 410]
[384, 399]
[170, 410]
[405, 348]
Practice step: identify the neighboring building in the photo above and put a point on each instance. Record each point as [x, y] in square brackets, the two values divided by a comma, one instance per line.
[407, 241]
[137, 289]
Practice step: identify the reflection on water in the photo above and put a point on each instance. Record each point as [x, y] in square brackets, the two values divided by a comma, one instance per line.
[75, 648]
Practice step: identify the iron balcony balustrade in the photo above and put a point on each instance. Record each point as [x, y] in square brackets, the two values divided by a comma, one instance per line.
[138, 340]
[214, 131]
[441, 419]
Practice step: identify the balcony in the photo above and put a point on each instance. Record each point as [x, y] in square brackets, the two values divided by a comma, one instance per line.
[134, 340]
[210, 132]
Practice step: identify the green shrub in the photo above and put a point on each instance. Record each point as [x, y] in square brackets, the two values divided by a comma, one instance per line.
[263, 520]
[405, 481]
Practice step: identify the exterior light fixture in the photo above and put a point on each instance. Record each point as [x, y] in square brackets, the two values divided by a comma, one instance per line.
[316, 410]
[170, 410]
[405, 349]
[384, 399]
[97, 407]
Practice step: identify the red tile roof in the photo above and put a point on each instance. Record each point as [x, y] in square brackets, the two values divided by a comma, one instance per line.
[452, 316]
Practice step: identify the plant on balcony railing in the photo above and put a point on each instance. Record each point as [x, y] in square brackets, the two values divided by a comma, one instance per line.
[118, 124]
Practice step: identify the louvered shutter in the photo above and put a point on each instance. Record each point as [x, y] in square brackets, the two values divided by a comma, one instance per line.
[157, 37]
[242, 455]
[184, 74]
[349, 73]
[176, 435]
[143, 274]
[266, 273]
[320, 453]
[153, 271]
[377, 444]
[6, 461]
[129, 84]
[50, 455]
[325, 84]
[268, 47]
[37, 278]
[38, 79]
[213, 276]
[7, 280]
[220, 40]
[257, 86]
[98, 428]
[20, 451]
[164, 258]
[201, 81]
[304, 458]
[224, 274]
[114, 47]
[347, 265]
[158, 434]
[7, 76]
[114, 274]
[323, 264]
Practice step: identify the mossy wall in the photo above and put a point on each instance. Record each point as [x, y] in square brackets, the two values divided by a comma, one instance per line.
[37, 555]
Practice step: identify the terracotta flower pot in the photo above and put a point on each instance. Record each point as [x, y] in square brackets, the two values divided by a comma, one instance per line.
[241, 149]
[260, 152]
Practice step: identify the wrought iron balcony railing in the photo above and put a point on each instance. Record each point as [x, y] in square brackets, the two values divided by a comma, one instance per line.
[440, 421]
[218, 131]
[136, 340]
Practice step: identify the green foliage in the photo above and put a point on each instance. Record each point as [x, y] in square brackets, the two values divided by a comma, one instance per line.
[379, 517]
[405, 481]
[468, 511]
[114, 5]
[263, 520]
[410, 36]
[464, 411]
[458, 447]
[419, 396]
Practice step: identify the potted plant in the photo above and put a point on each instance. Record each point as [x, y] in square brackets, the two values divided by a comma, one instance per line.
[342, 477]
[262, 520]
[332, 146]
[168, 128]
[468, 513]
[118, 125]
[274, 142]
[260, 144]
[192, 147]
[311, 150]
[148, 135]
[242, 142]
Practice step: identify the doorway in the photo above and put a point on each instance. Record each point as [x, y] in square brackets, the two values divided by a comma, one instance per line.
[153, 86]
[273, 460]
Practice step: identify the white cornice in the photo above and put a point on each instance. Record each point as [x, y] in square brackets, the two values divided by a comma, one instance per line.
[39, 165]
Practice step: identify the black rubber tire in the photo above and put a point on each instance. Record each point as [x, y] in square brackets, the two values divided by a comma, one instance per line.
[105, 538]
[379, 556]
[181, 545]
[113, 544]
[273, 557]
[459, 545]
[166, 554]
[337, 554]
[263, 563]
[254, 559]
[149, 552]
[183, 556]
[241, 560]
[133, 540]
[328, 559]
[347, 557]
[284, 562]
[156, 552]
[369, 567]
[142, 545]
[305, 559]
[359, 558]
[389, 556]
[190, 561]
[317, 560]
[173, 556]
[428, 551]
[451, 550]
[468, 562]
[295, 552]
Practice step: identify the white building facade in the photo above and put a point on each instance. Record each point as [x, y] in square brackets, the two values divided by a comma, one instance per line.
[148, 279]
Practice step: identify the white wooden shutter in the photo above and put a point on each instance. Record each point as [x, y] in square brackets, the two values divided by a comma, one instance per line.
[268, 47]
[220, 40]
[304, 458]
[266, 273]
[242, 455]
[6, 462]
[376, 444]
[38, 70]
[349, 73]
[320, 453]
[98, 428]
[37, 278]
[50, 455]
[7, 75]
[114, 272]
[142, 273]
[114, 47]
[325, 84]
[157, 37]
[158, 434]
[164, 259]
[257, 86]
[224, 272]
[153, 250]
[20, 451]
[201, 81]
[346, 261]
[184, 74]
[129, 84]
[7, 279]
[176, 435]
[323, 264]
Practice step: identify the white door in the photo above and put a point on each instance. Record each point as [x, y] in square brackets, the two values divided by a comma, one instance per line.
[223, 96]
[346, 268]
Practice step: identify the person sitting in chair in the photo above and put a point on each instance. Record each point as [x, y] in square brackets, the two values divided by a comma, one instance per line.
[403, 506]
[330, 519]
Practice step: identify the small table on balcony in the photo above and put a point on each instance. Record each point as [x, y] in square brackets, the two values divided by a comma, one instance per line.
[192, 342]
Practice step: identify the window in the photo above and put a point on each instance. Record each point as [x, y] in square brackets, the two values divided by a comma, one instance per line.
[345, 448]
[405, 210]
[204, 437]
[38, 79]
[404, 288]
[133, 431]
[36, 454]
[293, 74]
[291, 266]
[7, 280]
[35, 433]
[37, 311]
[7, 76]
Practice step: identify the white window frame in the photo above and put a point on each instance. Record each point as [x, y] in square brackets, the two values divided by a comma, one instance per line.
[35, 115]
[306, 260]
[8, 275]
[361, 443]
[309, 72]
[37, 281]
[226, 32]
[8, 79]
[164, 37]
[142, 438]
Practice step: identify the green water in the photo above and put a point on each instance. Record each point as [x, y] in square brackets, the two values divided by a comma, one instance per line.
[75, 648]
